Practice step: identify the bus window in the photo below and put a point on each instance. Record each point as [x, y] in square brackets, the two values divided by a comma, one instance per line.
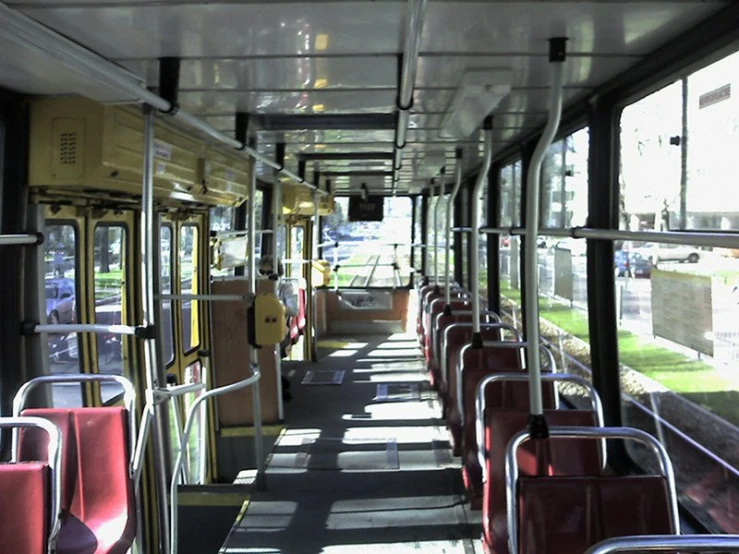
[188, 259]
[61, 249]
[296, 251]
[678, 304]
[110, 300]
[367, 250]
[166, 268]
[221, 219]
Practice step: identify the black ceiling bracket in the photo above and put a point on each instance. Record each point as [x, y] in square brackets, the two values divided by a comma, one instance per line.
[558, 49]
[169, 83]
[242, 128]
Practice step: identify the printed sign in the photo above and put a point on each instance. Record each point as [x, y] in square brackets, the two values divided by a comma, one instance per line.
[715, 96]
[162, 150]
[366, 300]
[682, 309]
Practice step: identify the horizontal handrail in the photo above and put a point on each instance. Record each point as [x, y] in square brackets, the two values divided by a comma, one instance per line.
[249, 297]
[129, 401]
[21, 240]
[667, 543]
[66, 328]
[595, 405]
[623, 433]
[55, 467]
[690, 238]
[256, 374]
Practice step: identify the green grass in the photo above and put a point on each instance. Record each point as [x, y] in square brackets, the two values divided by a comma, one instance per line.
[690, 377]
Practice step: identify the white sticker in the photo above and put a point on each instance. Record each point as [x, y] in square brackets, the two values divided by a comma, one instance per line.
[161, 169]
[230, 174]
[162, 150]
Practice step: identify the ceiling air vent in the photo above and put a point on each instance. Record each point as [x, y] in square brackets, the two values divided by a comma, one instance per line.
[68, 143]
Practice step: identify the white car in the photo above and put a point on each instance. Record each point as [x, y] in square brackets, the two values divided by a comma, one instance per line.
[669, 253]
[577, 247]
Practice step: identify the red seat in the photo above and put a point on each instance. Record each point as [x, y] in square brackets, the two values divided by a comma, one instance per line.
[98, 506]
[443, 321]
[297, 323]
[557, 457]
[24, 512]
[435, 308]
[562, 515]
[489, 360]
[503, 396]
[422, 292]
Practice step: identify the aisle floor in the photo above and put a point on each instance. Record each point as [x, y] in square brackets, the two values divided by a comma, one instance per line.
[364, 464]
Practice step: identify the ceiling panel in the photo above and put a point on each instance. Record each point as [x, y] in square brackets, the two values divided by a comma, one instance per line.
[307, 102]
[625, 28]
[277, 73]
[30, 71]
[527, 71]
[155, 29]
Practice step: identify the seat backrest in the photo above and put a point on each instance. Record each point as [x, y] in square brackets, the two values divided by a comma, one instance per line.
[297, 323]
[455, 338]
[24, 510]
[97, 491]
[435, 308]
[555, 457]
[561, 515]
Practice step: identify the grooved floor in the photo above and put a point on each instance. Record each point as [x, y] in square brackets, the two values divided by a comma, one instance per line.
[364, 466]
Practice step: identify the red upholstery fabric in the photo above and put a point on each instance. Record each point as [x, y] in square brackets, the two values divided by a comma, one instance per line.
[24, 510]
[429, 297]
[97, 495]
[554, 457]
[505, 395]
[297, 323]
[561, 515]
[421, 299]
[481, 361]
[436, 308]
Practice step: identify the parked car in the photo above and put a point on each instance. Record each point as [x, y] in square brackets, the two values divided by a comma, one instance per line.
[60, 300]
[628, 262]
[669, 253]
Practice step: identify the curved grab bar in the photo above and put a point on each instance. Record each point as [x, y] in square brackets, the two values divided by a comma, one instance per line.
[129, 400]
[253, 379]
[55, 465]
[468, 324]
[667, 543]
[595, 404]
[498, 344]
[490, 316]
[624, 433]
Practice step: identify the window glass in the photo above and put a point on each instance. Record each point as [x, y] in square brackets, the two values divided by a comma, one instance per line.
[418, 252]
[510, 195]
[221, 220]
[709, 199]
[110, 301]
[196, 444]
[440, 237]
[61, 251]
[679, 352]
[483, 245]
[650, 160]
[564, 183]
[296, 251]
[166, 269]
[367, 250]
[678, 304]
[188, 259]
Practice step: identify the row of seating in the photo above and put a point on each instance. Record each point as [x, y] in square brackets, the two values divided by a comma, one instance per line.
[69, 486]
[543, 496]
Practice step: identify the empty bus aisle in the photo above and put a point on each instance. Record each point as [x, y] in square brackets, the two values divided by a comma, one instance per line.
[364, 465]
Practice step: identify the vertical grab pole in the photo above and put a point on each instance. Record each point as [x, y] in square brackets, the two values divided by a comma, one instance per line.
[148, 305]
[252, 272]
[277, 255]
[449, 205]
[475, 238]
[557, 54]
[439, 195]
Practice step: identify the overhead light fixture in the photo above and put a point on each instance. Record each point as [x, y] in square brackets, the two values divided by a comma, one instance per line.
[480, 91]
